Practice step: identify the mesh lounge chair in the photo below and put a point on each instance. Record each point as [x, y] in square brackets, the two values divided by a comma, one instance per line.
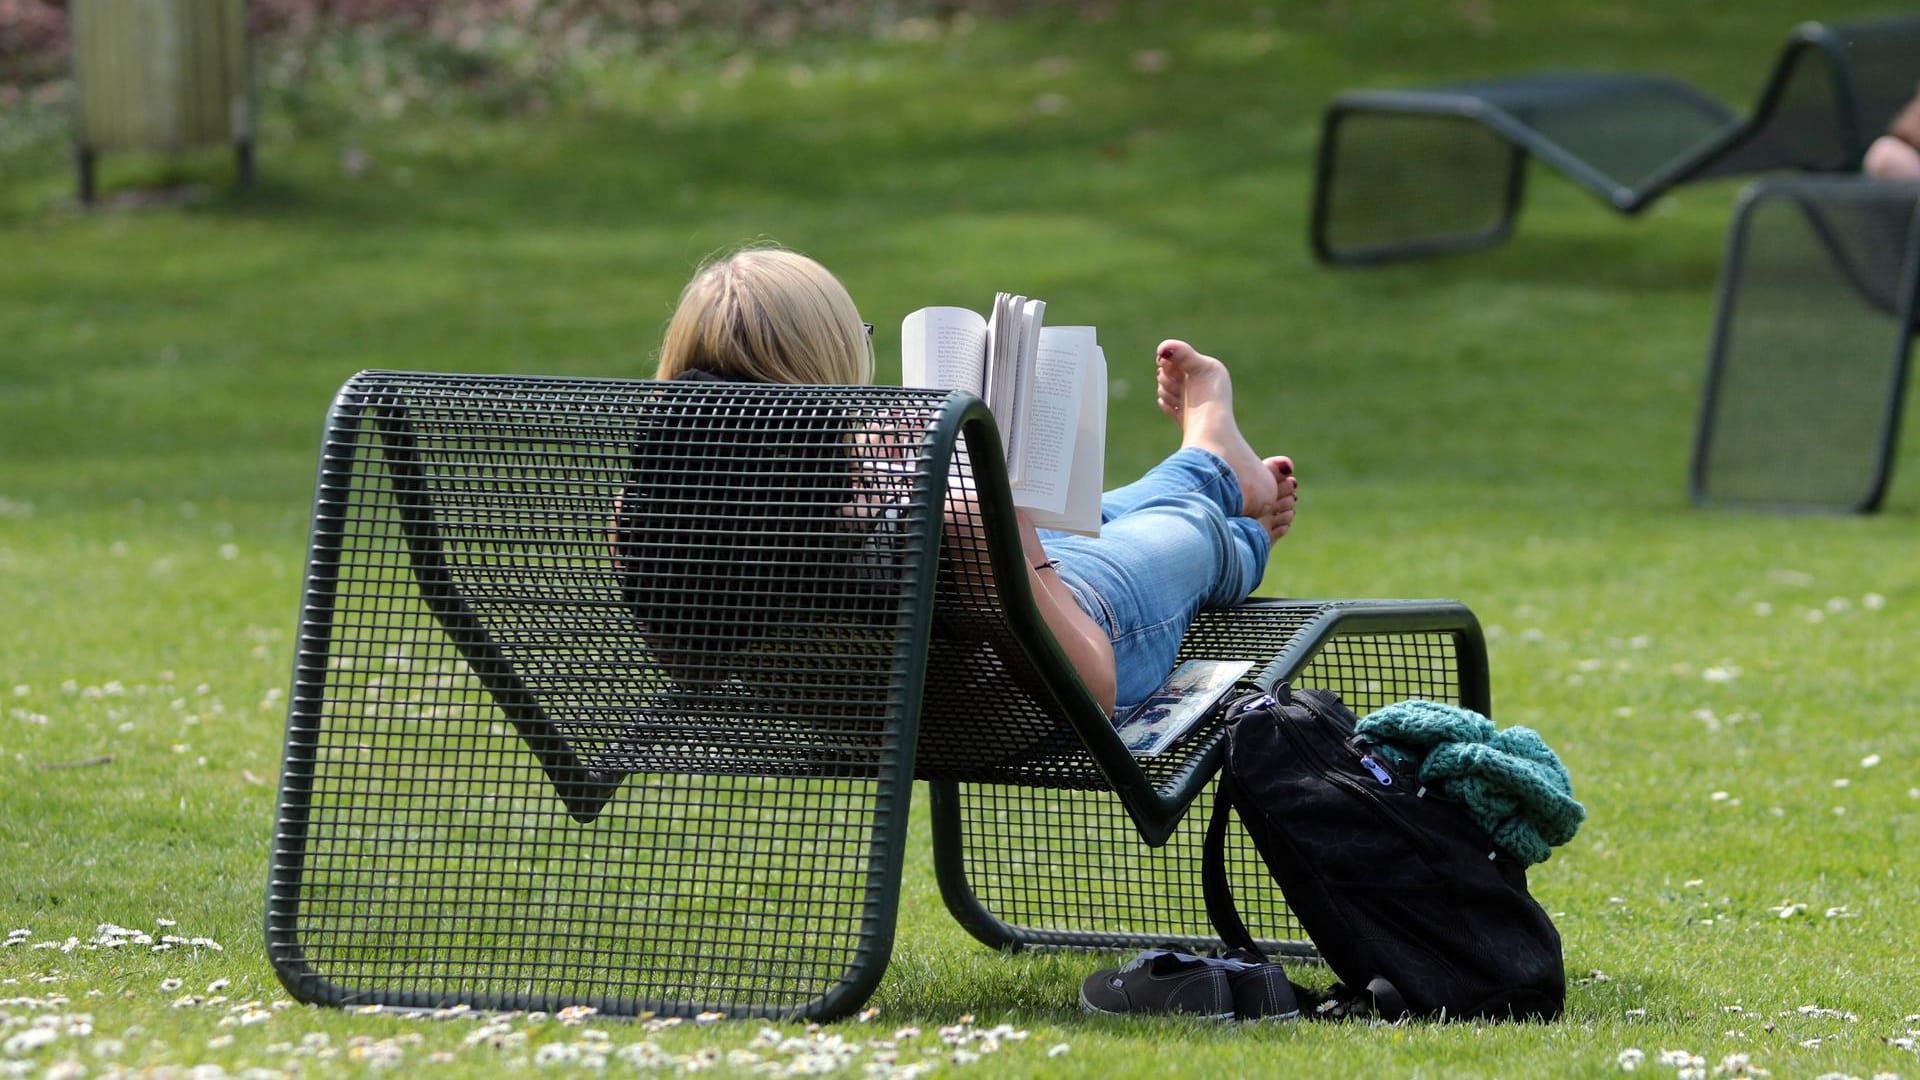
[1806, 373]
[1408, 173]
[546, 752]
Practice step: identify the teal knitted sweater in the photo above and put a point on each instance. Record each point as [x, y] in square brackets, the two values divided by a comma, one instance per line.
[1511, 782]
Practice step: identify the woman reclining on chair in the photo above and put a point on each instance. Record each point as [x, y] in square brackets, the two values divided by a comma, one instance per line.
[1193, 533]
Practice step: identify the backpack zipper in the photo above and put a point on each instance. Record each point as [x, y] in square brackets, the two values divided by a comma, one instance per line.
[1369, 794]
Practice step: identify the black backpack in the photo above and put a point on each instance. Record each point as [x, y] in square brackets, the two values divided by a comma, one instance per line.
[1402, 893]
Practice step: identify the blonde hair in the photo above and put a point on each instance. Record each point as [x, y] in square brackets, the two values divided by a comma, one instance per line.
[766, 314]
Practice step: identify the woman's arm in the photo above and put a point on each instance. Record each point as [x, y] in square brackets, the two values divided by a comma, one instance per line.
[1085, 644]
[1081, 638]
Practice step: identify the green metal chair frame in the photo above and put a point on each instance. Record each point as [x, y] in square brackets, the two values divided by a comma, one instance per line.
[611, 694]
[1404, 174]
[1812, 336]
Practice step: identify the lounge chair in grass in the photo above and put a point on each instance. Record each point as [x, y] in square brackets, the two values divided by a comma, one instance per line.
[615, 694]
[1408, 173]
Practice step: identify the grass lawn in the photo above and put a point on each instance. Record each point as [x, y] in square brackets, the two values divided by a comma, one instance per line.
[1733, 693]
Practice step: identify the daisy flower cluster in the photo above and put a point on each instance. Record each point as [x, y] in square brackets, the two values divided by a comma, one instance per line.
[42, 1035]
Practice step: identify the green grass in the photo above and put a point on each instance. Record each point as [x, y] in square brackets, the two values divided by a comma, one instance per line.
[1509, 428]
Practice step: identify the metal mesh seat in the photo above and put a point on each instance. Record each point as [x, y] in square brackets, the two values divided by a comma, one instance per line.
[1806, 372]
[613, 693]
[1408, 173]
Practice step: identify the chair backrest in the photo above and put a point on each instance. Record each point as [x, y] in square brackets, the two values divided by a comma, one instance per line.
[1883, 70]
[739, 535]
[695, 577]
[662, 570]
[1833, 89]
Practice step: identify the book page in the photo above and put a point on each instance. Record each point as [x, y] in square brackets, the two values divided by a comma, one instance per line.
[1002, 356]
[944, 348]
[1080, 512]
[1054, 404]
[1187, 695]
[1027, 316]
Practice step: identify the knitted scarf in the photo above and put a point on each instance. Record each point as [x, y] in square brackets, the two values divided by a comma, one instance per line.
[1510, 780]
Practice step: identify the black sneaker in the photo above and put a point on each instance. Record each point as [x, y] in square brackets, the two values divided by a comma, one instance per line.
[1261, 989]
[1158, 981]
[1263, 992]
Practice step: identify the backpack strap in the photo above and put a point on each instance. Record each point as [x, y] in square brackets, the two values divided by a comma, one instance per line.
[1225, 915]
[1221, 910]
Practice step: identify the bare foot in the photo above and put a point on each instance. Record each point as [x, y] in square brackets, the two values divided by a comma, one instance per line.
[1277, 516]
[1197, 393]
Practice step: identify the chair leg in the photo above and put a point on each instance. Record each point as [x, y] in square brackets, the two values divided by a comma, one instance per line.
[1393, 184]
[1022, 867]
[85, 161]
[244, 164]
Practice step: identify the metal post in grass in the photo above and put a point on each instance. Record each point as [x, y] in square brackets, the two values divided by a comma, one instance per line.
[160, 76]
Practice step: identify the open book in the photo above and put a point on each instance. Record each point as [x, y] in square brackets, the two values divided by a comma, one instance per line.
[1047, 387]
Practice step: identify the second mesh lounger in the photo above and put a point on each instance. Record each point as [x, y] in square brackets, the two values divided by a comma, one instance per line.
[1408, 173]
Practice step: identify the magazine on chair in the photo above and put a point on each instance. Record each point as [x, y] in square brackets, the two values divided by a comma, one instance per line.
[1046, 386]
[1187, 695]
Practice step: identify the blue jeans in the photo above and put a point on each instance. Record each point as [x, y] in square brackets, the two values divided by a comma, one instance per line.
[1171, 544]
